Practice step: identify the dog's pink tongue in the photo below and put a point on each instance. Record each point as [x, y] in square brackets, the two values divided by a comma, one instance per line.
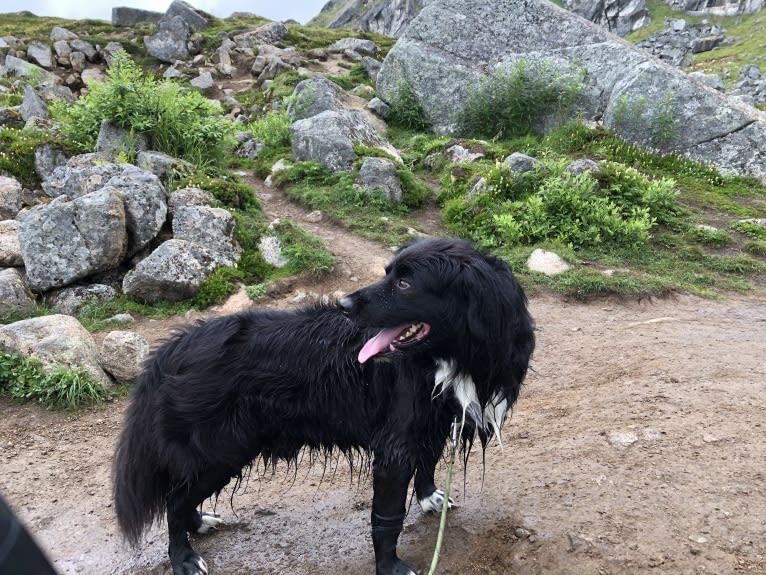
[379, 343]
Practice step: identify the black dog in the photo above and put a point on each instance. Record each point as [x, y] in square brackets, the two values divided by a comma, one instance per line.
[455, 343]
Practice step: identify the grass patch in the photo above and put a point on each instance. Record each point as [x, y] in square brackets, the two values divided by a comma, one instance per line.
[24, 379]
[17, 153]
[369, 215]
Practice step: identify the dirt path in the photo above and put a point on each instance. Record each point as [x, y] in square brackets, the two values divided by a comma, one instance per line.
[637, 447]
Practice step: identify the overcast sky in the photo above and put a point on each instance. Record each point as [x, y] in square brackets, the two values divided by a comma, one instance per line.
[300, 10]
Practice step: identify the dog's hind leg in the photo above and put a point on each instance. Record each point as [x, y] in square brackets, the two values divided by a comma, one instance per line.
[429, 497]
[390, 483]
[183, 517]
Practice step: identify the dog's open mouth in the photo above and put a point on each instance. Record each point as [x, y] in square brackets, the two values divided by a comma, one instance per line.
[392, 338]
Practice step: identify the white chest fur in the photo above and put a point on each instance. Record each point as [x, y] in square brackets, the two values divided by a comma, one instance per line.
[491, 418]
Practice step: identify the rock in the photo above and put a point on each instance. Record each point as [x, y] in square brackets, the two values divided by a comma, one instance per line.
[10, 198]
[70, 300]
[21, 68]
[313, 96]
[329, 139]
[583, 165]
[314, 217]
[56, 340]
[189, 197]
[172, 272]
[161, 164]
[379, 174]
[519, 163]
[619, 16]
[356, 44]
[122, 354]
[248, 147]
[212, 228]
[65, 240]
[372, 67]
[187, 12]
[80, 175]
[78, 61]
[478, 188]
[379, 107]
[15, 294]
[203, 82]
[457, 154]
[10, 248]
[271, 33]
[389, 18]
[446, 48]
[124, 16]
[41, 54]
[33, 105]
[271, 251]
[715, 7]
[113, 140]
[89, 76]
[61, 34]
[548, 263]
[63, 51]
[622, 439]
[712, 80]
[108, 52]
[145, 205]
[86, 48]
[170, 42]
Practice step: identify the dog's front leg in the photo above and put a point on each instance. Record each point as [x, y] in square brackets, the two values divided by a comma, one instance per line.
[390, 483]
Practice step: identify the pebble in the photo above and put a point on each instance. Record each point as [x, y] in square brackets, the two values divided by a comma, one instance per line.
[622, 439]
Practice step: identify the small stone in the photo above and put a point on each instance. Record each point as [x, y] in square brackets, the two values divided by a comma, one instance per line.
[622, 439]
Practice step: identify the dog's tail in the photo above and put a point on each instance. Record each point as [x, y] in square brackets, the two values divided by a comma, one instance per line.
[140, 482]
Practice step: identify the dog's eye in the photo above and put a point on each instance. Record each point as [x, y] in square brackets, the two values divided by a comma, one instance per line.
[401, 284]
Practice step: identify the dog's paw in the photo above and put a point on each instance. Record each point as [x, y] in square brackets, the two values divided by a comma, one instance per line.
[210, 522]
[190, 564]
[397, 567]
[435, 502]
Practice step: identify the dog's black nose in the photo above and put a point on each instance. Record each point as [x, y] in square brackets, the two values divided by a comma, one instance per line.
[346, 303]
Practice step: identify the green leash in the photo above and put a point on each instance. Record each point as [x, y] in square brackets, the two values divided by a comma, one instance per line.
[445, 504]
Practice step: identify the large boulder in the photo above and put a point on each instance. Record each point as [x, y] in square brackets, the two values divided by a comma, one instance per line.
[619, 16]
[124, 16]
[73, 299]
[123, 354]
[144, 196]
[212, 228]
[380, 174]
[56, 340]
[66, 240]
[453, 44]
[315, 95]
[10, 248]
[15, 294]
[173, 272]
[10, 197]
[145, 205]
[170, 43]
[329, 139]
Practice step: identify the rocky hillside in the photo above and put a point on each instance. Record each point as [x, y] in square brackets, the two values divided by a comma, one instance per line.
[136, 158]
[621, 17]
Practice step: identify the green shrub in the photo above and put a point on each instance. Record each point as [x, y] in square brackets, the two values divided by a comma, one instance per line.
[178, 121]
[272, 130]
[406, 111]
[516, 101]
[617, 206]
[24, 379]
[227, 189]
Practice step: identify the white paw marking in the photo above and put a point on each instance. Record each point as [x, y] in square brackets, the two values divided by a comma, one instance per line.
[210, 522]
[435, 502]
[199, 564]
